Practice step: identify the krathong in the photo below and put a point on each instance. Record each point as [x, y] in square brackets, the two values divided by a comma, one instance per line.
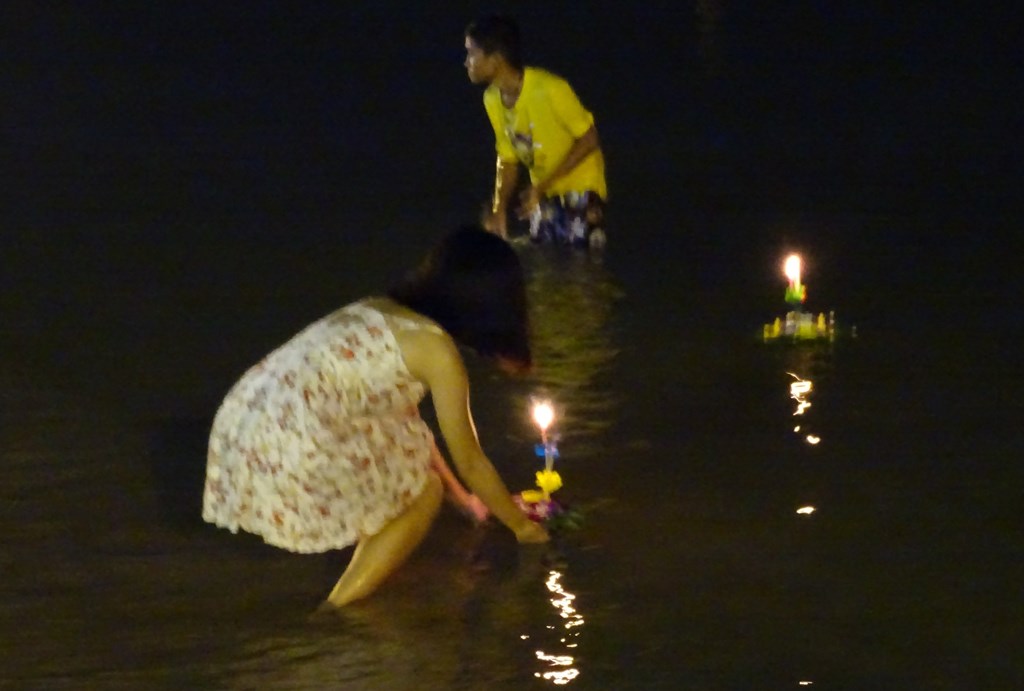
[538, 504]
[798, 324]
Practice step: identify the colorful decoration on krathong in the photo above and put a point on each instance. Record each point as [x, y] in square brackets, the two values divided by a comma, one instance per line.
[537, 503]
[798, 324]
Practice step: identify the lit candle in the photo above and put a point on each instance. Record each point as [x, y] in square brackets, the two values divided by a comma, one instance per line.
[544, 415]
[792, 270]
[795, 292]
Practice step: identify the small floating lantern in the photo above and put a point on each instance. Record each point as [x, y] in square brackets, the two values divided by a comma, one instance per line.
[797, 324]
[537, 503]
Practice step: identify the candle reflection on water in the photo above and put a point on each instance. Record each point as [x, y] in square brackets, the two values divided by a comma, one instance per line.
[563, 602]
[799, 390]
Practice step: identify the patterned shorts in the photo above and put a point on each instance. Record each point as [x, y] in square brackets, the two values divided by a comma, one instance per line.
[574, 218]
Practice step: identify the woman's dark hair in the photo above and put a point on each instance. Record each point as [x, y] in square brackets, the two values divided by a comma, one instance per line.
[496, 33]
[471, 283]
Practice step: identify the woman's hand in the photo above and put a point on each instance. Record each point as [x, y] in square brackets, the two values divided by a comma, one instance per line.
[530, 532]
[475, 509]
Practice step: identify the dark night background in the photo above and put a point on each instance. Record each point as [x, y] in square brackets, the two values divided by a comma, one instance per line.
[311, 111]
[187, 184]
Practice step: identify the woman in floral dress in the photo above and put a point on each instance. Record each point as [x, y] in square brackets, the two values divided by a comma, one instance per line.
[321, 445]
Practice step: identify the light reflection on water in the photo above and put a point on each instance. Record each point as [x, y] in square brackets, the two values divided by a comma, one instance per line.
[800, 391]
[572, 300]
[806, 364]
[560, 669]
[804, 361]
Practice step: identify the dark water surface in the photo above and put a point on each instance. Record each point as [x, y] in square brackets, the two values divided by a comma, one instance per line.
[186, 209]
[693, 569]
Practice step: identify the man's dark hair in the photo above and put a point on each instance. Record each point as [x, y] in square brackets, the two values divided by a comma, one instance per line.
[471, 283]
[497, 33]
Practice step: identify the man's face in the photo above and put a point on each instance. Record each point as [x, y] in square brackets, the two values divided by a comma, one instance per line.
[479, 65]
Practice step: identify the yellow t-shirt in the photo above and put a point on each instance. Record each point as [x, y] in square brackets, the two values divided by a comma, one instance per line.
[539, 130]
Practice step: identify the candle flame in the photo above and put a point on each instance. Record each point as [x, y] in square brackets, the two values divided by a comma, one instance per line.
[792, 268]
[543, 415]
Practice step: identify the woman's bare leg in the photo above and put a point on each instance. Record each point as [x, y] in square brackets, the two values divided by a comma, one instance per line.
[379, 555]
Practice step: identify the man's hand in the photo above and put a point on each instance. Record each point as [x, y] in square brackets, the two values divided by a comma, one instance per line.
[529, 201]
[496, 223]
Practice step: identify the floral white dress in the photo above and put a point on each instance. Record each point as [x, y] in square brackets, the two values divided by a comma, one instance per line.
[321, 443]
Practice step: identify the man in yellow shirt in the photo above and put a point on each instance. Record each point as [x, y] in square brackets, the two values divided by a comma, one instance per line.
[540, 123]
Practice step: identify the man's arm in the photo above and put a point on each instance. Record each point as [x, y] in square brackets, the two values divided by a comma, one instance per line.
[580, 149]
[506, 176]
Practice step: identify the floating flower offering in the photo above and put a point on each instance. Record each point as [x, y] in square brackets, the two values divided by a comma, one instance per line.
[797, 324]
[538, 504]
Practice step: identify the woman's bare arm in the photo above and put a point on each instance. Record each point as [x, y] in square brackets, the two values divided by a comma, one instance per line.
[434, 359]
